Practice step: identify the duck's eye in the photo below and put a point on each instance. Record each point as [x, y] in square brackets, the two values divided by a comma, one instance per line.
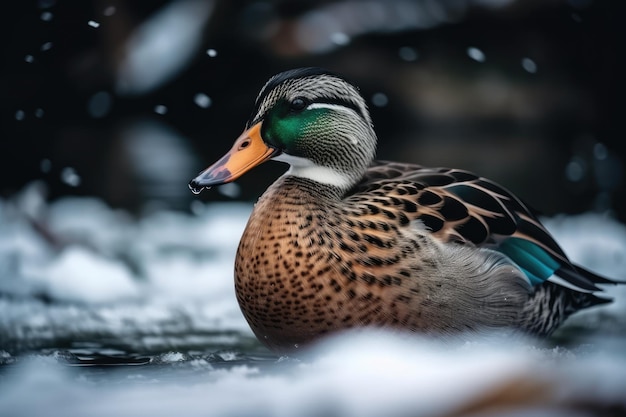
[298, 104]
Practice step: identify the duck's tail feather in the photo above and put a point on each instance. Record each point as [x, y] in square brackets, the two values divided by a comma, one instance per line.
[551, 304]
[597, 279]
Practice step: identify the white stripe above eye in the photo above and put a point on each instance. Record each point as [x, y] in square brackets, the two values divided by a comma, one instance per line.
[329, 106]
[337, 107]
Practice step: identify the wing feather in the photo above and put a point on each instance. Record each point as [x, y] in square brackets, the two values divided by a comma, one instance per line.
[459, 206]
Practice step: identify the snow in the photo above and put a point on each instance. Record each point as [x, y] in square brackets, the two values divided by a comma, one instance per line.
[116, 285]
[162, 46]
[529, 65]
[70, 177]
[46, 16]
[476, 54]
[78, 274]
[77, 268]
[160, 109]
[202, 100]
[362, 374]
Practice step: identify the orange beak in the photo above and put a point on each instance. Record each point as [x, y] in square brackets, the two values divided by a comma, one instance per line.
[248, 151]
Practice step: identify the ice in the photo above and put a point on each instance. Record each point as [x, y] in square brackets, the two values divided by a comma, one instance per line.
[172, 357]
[211, 52]
[93, 24]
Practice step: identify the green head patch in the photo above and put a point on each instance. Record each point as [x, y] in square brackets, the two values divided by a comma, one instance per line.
[289, 121]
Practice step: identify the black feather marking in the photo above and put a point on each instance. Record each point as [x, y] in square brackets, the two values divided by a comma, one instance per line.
[512, 201]
[594, 300]
[540, 235]
[434, 224]
[462, 176]
[574, 278]
[476, 197]
[409, 206]
[501, 222]
[435, 180]
[595, 278]
[453, 209]
[428, 198]
[473, 230]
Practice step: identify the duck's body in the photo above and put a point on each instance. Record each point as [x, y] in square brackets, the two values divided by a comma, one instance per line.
[309, 263]
[333, 245]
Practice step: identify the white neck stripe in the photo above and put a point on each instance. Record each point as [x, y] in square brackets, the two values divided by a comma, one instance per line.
[304, 168]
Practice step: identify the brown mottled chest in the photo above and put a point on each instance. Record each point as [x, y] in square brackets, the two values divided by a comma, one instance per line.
[281, 272]
[306, 267]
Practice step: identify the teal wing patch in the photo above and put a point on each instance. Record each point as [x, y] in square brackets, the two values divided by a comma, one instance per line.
[536, 263]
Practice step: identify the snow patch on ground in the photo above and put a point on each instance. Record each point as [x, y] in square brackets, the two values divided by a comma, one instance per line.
[75, 268]
[369, 373]
[79, 275]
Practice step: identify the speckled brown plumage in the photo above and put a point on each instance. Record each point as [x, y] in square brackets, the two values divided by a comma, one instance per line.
[311, 262]
[342, 240]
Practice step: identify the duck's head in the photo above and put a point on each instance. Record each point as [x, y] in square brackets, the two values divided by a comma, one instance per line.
[310, 118]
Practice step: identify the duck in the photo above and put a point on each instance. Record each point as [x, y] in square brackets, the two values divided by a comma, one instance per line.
[342, 240]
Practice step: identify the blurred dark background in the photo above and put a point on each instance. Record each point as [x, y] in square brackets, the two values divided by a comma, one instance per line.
[128, 100]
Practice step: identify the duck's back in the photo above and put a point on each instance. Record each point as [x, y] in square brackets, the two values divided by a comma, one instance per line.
[459, 207]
